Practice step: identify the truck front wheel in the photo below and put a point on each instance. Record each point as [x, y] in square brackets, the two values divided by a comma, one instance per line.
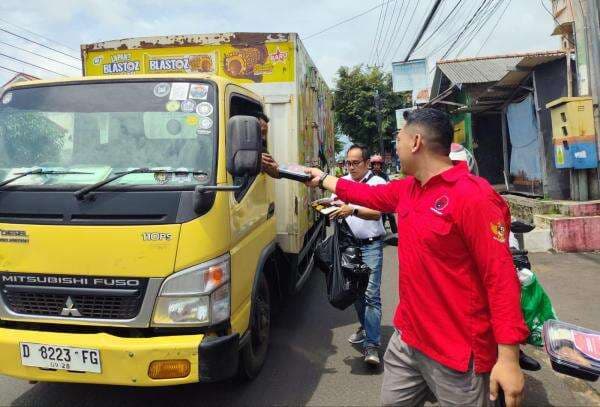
[254, 354]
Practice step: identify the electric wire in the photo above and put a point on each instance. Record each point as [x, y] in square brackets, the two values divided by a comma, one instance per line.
[493, 28]
[29, 63]
[37, 43]
[38, 55]
[346, 20]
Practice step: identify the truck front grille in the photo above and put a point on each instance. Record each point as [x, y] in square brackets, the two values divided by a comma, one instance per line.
[88, 306]
[73, 297]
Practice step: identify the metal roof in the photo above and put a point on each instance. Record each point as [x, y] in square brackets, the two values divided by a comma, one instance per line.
[493, 68]
[501, 70]
[478, 70]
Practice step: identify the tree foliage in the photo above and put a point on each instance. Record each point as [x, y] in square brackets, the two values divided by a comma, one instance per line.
[338, 144]
[354, 101]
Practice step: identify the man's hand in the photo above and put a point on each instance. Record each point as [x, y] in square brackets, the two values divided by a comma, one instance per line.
[341, 213]
[315, 174]
[507, 375]
[269, 165]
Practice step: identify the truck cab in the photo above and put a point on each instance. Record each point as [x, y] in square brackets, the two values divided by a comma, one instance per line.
[138, 241]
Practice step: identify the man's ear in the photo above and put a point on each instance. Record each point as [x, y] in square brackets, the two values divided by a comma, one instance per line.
[417, 142]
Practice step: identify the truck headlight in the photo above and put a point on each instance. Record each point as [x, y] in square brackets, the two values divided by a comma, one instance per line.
[199, 295]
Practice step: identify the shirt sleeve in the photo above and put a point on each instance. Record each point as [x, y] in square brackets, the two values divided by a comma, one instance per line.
[486, 226]
[382, 198]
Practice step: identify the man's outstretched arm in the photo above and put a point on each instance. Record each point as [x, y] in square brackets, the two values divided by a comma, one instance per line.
[382, 198]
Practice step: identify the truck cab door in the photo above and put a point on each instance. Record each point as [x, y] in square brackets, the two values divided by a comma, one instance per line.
[251, 215]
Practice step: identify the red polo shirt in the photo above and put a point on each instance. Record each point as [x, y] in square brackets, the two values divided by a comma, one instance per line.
[459, 292]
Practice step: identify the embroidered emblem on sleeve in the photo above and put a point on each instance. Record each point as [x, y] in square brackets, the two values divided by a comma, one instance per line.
[498, 231]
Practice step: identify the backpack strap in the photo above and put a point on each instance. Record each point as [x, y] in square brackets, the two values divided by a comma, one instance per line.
[371, 175]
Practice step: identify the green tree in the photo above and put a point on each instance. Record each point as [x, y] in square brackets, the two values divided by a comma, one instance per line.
[354, 101]
[338, 144]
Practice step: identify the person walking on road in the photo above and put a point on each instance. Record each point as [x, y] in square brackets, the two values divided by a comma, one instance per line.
[458, 321]
[367, 227]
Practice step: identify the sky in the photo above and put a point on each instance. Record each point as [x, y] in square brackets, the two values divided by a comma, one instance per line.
[520, 26]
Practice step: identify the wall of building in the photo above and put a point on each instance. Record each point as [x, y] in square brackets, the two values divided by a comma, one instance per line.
[463, 123]
[550, 82]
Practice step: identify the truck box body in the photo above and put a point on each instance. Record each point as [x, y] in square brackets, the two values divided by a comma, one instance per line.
[277, 67]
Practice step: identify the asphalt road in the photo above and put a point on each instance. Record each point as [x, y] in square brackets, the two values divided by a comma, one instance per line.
[311, 362]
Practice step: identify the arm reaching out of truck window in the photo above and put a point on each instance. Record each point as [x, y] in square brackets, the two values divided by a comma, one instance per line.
[270, 166]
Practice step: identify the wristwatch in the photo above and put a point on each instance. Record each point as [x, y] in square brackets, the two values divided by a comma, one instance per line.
[321, 179]
[355, 212]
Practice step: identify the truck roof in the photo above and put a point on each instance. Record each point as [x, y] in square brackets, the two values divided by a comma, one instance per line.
[233, 38]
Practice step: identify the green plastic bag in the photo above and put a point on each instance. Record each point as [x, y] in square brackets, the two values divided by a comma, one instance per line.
[536, 306]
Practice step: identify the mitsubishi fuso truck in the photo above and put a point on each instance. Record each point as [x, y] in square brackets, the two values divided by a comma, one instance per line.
[140, 243]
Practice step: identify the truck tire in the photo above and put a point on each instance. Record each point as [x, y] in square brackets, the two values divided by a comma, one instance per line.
[254, 354]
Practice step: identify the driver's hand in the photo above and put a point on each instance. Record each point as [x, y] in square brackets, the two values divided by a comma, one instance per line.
[269, 165]
[315, 174]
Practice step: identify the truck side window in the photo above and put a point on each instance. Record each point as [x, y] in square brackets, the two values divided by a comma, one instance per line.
[242, 105]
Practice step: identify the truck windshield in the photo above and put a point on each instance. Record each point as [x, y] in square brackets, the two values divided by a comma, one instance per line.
[83, 133]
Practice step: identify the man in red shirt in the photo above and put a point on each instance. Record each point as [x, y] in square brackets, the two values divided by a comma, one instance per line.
[458, 321]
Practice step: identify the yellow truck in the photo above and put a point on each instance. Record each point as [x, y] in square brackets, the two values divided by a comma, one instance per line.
[140, 244]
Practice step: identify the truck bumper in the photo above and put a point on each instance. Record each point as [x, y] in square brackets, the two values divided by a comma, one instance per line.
[124, 361]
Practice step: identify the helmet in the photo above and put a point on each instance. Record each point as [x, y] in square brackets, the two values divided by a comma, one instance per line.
[376, 159]
[460, 153]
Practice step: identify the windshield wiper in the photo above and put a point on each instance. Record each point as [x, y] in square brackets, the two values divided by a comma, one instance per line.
[39, 171]
[80, 194]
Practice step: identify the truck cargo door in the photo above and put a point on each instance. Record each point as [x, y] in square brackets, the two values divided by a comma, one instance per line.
[283, 145]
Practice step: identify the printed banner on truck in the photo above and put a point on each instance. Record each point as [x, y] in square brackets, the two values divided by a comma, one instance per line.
[259, 63]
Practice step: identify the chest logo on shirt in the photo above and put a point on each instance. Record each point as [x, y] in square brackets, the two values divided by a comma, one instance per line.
[440, 204]
[499, 231]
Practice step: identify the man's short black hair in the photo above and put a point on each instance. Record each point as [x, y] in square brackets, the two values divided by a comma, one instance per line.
[439, 128]
[261, 115]
[363, 149]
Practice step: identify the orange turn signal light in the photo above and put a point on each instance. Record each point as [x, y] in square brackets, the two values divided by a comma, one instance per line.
[215, 275]
[169, 369]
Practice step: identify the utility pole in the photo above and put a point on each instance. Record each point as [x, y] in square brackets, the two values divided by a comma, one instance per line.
[378, 111]
[593, 46]
[587, 32]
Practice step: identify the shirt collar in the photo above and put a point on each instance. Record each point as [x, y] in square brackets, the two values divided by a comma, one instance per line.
[459, 169]
[362, 179]
[451, 175]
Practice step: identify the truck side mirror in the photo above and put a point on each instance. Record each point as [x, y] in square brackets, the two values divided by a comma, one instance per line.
[244, 146]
